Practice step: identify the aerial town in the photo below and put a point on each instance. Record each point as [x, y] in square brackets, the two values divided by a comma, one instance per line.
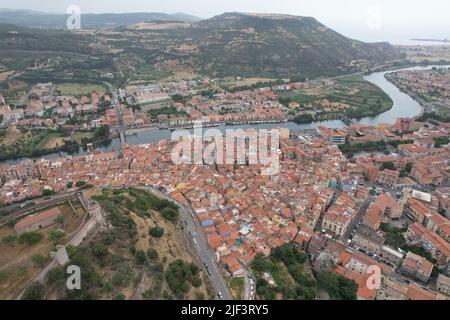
[117, 166]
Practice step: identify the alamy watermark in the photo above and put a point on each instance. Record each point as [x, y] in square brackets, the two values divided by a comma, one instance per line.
[74, 280]
[212, 146]
[74, 20]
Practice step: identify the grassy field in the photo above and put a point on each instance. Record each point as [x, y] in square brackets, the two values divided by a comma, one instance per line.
[18, 262]
[79, 89]
[352, 96]
[147, 72]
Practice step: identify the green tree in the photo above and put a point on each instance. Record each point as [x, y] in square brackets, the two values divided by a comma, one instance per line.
[39, 260]
[69, 185]
[80, 184]
[9, 240]
[34, 291]
[337, 286]
[48, 192]
[178, 276]
[56, 275]
[170, 214]
[152, 254]
[56, 236]
[156, 232]
[119, 296]
[140, 257]
[30, 238]
[389, 165]
[99, 250]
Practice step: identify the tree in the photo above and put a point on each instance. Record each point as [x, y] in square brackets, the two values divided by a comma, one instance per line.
[289, 255]
[56, 236]
[30, 238]
[2, 204]
[39, 260]
[80, 184]
[101, 133]
[119, 296]
[337, 286]
[140, 257]
[34, 291]
[178, 276]
[157, 232]
[99, 250]
[389, 165]
[69, 185]
[56, 275]
[170, 214]
[48, 192]
[9, 240]
[261, 263]
[152, 254]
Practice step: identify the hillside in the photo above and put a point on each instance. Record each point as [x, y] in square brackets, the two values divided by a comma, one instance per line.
[232, 44]
[273, 46]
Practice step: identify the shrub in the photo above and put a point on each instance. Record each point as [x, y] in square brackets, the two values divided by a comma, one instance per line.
[152, 254]
[140, 257]
[99, 250]
[48, 192]
[80, 184]
[119, 296]
[30, 238]
[157, 232]
[170, 214]
[39, 260]
[56, 236]
[56, 275]
[9, 240]
[34, 291]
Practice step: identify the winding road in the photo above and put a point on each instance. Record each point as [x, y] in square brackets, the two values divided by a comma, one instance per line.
[204, 252]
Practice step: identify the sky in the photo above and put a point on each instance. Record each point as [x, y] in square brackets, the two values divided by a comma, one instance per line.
[395, 21]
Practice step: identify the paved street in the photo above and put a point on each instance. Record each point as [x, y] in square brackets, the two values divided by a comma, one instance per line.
[203, 250]
[359, 217]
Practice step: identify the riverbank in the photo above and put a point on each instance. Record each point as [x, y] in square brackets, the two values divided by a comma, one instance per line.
[427, 107]
[403, 106]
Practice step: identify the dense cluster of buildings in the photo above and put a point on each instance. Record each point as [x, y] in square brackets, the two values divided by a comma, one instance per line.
[44, 105]
[319, 200]
[314, 202]
[432, 84]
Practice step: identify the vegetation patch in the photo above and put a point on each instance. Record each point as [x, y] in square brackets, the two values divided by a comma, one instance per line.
[286, 269]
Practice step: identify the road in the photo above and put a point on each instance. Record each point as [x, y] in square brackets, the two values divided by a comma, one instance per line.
[119, 114]
[204, 252]
[358, 218]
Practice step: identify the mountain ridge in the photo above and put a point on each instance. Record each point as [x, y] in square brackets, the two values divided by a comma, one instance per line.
[43, 20]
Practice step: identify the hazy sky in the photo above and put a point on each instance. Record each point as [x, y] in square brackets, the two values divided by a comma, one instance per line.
[369, 20]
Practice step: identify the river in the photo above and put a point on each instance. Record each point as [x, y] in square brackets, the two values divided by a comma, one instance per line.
[403, 106]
